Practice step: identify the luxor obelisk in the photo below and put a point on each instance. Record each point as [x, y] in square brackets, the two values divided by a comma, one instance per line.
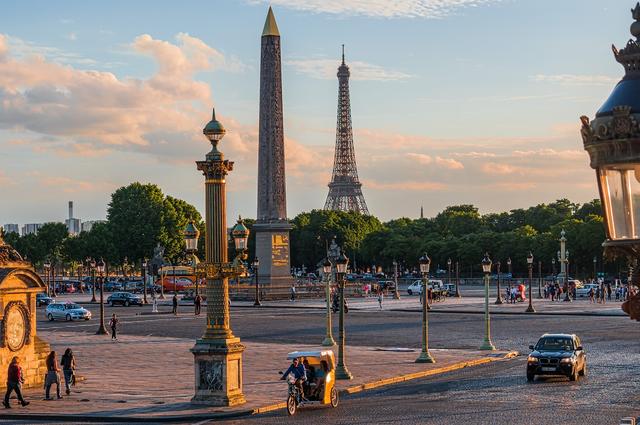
[272, 227]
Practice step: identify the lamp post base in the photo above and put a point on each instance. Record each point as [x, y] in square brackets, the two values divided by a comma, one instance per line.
[425, 357]
[328, 341]
[487, 345]
[218, 372]
[530, 309]
[343, 373]
[257, 304]
[499, 301]
[102, 330]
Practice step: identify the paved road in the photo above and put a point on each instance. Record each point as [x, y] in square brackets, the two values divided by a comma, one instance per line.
[494, 394]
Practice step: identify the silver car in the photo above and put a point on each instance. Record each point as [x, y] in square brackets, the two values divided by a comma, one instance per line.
[68, 312]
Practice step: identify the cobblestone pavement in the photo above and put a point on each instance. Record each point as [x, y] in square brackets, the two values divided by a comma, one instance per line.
[148, 376]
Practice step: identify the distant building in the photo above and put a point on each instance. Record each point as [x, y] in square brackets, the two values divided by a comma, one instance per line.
[88, 225]
[31, 228]
[11, 228]
[73, 224]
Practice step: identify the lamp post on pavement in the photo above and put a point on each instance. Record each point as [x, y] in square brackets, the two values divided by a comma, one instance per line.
[486, 268]
[101, 329]
[595, 264]
[530, 309]
[191, 235]
[255, 266]
[457, 279]
[326, 274]
[425, 356]
[510, 275]
[396, 295]
[341, 269]
[145, 266]
[47, 266]
[499, 296]
[540, 279]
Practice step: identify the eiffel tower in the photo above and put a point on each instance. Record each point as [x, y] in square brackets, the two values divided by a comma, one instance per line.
[345, 190]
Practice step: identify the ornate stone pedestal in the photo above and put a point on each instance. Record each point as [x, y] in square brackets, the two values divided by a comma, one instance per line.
[272, 248]
[218, 372]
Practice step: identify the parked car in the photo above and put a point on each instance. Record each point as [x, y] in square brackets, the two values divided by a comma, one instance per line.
[111, 286]
[584, 291]
[416, 286]
[67, 311]
[387, 285]
[124, 298]
[451, 289]
[43, 299]
[557, 354]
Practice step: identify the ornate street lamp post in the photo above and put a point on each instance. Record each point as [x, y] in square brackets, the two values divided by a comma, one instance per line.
[92, 265]
[553, 267]
[47, 267]
[218, 353]
[254, 265]
[457, 279]
[396, 295]
[612, 140]
[101, 329]
[425, 356]
[326, 274]
[486, 268]
[595, 272]
[499, 296]
[530, 309]
[563, 257]
[539, 279]
[341, 269]
[191, 235]
[510, 275]
[144, 266]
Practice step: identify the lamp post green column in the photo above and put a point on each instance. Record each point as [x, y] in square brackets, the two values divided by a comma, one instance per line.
[326, 271]
[530, 309]
[218, 353]
[425, 356]
[486, 268]
[341, 269]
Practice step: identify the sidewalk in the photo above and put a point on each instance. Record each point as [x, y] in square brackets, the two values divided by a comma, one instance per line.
[151, 378]
[470, 305]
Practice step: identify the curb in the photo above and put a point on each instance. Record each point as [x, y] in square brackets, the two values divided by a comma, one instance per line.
[258, 410]
[448, 311]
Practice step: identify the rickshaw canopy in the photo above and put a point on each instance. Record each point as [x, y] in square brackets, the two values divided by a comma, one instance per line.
[322, 353]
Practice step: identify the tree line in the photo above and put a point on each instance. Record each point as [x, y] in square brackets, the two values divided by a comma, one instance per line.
[139, 216]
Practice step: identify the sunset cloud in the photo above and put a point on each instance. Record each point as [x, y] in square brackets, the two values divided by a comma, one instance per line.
[325, 69]
[431, 9]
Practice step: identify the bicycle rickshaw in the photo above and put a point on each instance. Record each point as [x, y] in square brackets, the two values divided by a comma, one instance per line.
[325, 394]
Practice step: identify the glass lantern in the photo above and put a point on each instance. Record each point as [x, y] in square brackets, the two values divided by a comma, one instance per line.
[240, 235]
[486, 263]
[530, 258]
[191, 235]
[326, 267]
[341, 264]
[424, 262]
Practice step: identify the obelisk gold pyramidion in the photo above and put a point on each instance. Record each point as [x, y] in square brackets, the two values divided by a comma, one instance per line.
[272, 227]
[218, 354]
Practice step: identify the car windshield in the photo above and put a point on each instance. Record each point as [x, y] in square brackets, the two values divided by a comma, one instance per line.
[71, 306]
[554, 344]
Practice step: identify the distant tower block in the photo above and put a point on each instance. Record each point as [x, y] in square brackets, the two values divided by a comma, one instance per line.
[345, 190]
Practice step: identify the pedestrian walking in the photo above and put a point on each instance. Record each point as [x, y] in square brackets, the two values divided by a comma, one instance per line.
[68, 363]
[197, 303]
[380, 299]
[52, 377]
[174, 302]
[293, 292]
[113, 324]
[609, 291]
[154, 302]
[15, 379]
[591, 300]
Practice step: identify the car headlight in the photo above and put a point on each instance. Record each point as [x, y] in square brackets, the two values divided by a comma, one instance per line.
[532, 359]
[567, 360]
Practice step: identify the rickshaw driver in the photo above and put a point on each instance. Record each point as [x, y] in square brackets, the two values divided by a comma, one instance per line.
[298, 371]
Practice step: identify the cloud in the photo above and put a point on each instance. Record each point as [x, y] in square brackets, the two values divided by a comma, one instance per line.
[69, 185]
[451, 164]
[404, 185]
[420, 158]
[84, 112]
[6, 180]
[431, 9]
[325, 69]
[577, 80]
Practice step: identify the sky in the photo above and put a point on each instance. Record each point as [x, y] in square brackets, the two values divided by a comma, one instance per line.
[453, 101]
